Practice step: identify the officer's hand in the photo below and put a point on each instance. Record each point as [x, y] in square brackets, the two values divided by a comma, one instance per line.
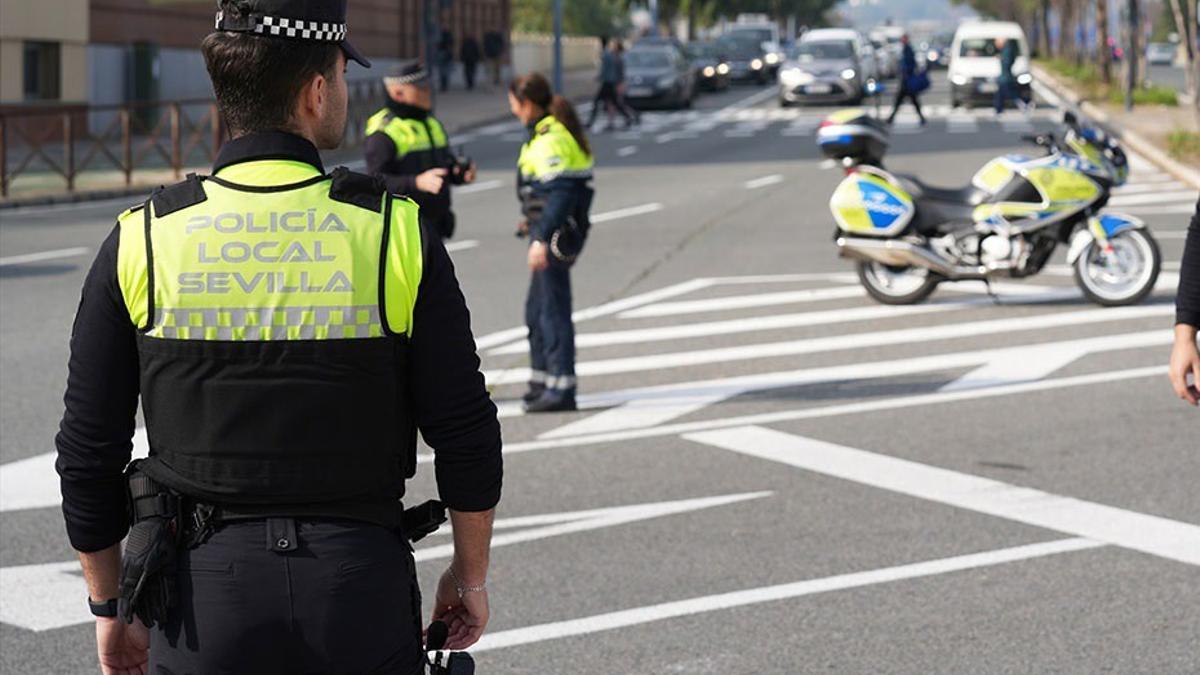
[539, 258]
[1185, 359]
[465, 617]
[469, 175]
[123, 648]
[431, 181]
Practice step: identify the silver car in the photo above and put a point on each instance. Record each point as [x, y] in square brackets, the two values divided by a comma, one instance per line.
[822, 71]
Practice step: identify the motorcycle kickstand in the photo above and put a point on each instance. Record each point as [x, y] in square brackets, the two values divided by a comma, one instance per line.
[987, 282]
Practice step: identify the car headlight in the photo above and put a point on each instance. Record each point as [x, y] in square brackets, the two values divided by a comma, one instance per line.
[709, 71]
[772, 58]
[756, 64]
[793, 76]
[960, 80]
[933, 55]
[1024, 78]
[723, 68]
[848, 74]
[666, 82]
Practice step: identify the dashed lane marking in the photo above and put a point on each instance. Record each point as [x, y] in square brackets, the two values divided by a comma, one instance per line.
[628, 212]
[44, 255]
[757, 183]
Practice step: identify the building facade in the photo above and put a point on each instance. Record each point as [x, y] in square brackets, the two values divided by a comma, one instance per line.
[74, 52]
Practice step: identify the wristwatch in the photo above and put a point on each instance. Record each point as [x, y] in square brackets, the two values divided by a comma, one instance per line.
[107, 609]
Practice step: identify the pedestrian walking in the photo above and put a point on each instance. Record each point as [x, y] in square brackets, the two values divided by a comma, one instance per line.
[912, 82]
[1185, 358]
[445, 58]
[609, 77]
[469, 54]
[493, 51]
[554, 185]
[626, 110]
[409, 149]
[1006, 82]
[289, 331]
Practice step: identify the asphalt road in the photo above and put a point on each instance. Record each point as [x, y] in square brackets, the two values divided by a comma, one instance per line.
[770, 473]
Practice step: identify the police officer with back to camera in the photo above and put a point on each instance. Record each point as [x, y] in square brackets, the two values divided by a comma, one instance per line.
[288, 331]
[408, 147]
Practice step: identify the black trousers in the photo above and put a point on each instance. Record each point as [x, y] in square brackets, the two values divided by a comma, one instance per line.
[340, 597]
[551, 332]
[469, 73]
[605, 96]
[905, 93]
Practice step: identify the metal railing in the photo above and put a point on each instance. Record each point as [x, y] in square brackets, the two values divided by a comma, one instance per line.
[133, 138]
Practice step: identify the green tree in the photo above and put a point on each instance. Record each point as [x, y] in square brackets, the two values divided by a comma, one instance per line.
[580, 17]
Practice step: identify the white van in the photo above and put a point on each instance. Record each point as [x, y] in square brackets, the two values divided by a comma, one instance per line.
[975, 61]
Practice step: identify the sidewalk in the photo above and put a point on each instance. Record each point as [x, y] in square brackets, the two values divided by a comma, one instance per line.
[458, 109]
[1144, 129]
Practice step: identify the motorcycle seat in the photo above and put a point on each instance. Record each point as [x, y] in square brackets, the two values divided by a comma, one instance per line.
[941, 209]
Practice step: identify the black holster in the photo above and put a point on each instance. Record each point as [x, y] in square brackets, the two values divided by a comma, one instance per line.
[148, 584]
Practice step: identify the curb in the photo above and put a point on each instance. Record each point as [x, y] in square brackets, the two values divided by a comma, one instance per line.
[1132, 139]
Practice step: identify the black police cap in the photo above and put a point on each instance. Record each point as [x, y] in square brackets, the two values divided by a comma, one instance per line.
[409, 72]
[313, 20]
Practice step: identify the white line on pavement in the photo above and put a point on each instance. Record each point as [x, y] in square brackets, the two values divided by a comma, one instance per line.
[1171, 539]
[32, 483]
[1171, 234]
[44, 255]
[1156, 198]
[629, 212]
[627, 150]
[1135, 188]
[1179, 209]
[462, 245]
[481, 186]
[743, 302]
[692, 606]
[763, 182]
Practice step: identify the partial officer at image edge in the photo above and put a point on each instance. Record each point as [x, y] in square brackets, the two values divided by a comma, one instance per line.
[1185, 358]
[288, 331]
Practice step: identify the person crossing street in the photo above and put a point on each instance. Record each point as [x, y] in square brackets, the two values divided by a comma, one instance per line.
[911, 82]
[288, 332]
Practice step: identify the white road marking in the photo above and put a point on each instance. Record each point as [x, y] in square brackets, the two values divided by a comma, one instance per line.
[1017, 366]
[99, 204]
[1179, 209]
[1171, 234]
[628, 212]
[627, 150]
[743, 302]
[462, 245]
[827, 164]
[743, 325]
[46, 596]
[653, 362]
[763, 182]
[44, 255]
[1162, 186]
[595, 519]
[669, 610]
[1170, 539]
[481, 186]
[654, 406]
[1157, 198]
[32, 483]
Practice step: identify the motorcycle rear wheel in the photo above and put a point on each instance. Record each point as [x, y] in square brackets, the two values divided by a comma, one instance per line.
[1123, 276]
[897, 285]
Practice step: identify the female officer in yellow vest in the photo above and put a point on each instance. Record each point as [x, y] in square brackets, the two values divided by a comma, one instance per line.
[553, 183]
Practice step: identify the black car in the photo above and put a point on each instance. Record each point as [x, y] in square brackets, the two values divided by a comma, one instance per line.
[747, 60]
[710, 66]
[659, 75]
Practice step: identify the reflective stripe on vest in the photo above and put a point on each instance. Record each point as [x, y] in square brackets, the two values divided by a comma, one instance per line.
[408, 134]
[552, 153]
[280, 265]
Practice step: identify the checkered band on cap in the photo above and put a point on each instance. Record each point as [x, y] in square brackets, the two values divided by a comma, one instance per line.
[279, 26]
[409, 78]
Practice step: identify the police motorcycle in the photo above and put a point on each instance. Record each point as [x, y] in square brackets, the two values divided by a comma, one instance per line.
[906, 237]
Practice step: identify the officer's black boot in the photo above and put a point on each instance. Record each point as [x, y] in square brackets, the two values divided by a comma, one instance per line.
[553, 400]
[534, 393]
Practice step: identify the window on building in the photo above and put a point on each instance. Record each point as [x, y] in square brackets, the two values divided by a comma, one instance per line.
[42, 71]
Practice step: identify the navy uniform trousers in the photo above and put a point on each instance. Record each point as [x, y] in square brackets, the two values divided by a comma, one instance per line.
[551, 332]
[295, 597]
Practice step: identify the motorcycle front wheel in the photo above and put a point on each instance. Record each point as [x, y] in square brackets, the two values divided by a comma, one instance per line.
[896, 285]
[1121, 273]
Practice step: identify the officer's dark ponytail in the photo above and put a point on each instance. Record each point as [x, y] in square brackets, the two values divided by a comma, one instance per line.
[535, 88]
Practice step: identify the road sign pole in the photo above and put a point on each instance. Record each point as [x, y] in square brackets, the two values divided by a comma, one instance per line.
[431, 35]
[558, 75]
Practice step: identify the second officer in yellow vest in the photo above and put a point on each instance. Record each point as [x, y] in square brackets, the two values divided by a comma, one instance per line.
[288, 332]
[408, 147]
[554, 175]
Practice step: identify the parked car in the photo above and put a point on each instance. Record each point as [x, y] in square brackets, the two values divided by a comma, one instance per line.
[975, 61]
[746, 58]
[708, 62]
[659, 75]
[825, 68]
[936, 51]
[1160, 53]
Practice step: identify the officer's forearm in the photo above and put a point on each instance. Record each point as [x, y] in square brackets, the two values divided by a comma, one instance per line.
[472, 544]
[102, 571]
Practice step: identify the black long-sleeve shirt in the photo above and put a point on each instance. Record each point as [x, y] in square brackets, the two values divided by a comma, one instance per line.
[1187, 300]
[451, 405]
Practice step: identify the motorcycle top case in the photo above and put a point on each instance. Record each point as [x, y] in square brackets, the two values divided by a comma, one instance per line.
[868, 203]
[853, 134]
